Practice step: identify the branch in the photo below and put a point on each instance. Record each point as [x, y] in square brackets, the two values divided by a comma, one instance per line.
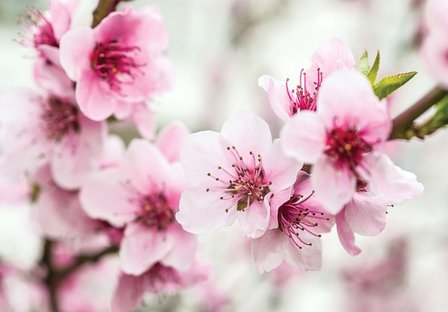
[103, 9]
[51, 279]
[403, 122]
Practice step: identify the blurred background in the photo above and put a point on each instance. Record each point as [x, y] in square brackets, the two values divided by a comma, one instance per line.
[219, 49]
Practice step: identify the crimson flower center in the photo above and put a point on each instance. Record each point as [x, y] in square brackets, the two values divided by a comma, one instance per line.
[295, 219]
[59, 118]
[115, 63]
[156, 212]
[301, 98]
[45, 32]
[347, 147]
[244, 182]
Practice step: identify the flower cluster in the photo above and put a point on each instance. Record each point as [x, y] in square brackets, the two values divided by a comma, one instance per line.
[136, 208]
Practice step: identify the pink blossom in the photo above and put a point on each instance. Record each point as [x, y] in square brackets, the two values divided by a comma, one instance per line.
[158, 278]
[118, 63]
[233, 175]
[435, 45]
[38, 129]
[342, 139]
[286, 102]
[170, 139]
[296, 236]
[142, 195]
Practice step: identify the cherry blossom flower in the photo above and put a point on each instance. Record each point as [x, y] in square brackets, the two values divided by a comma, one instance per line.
[435, 44]
[158, 278]
[296, 237]
[170, 138]
[342, 139]
[45, 29]
[37, 129]
[286, 102]
[142, 195]
[233, 175]
[118, 63]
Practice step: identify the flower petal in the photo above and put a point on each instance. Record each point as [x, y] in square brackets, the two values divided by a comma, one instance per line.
[278, 96]
[268, 250]
[128, 294]
[303, 137]
[254, 220]
[334, 187]
[184, 248]
[332, 56]
[346, 235]
[170, 140]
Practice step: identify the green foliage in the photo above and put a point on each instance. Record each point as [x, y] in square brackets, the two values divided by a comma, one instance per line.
[437, 121]
[389, 84]
[373, 73]
[363, 63]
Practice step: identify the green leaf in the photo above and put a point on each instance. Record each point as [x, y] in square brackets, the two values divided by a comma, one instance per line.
[437, 121]
[363, 63]
[389, 84]
[374, 70]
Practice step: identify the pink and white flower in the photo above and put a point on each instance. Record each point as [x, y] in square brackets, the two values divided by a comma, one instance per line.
[142, 195]
[342, 141]
[118, 63]
[37, 129]
[296, 236]
[158, 278]
[233, 176]
[435, 44]
[286, 102]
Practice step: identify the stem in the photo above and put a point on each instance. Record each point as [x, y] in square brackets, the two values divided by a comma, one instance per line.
[403, 122]
[103, 9]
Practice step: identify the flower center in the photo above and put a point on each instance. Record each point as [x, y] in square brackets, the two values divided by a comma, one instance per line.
[44, 35]
[59, 118]
[156, 212]
[244, 182]
[346, 147]
[115, 63]
[301, 98]
[294, 219]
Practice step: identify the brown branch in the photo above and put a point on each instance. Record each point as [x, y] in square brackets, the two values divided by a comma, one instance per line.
[403, 122]
[103, 9]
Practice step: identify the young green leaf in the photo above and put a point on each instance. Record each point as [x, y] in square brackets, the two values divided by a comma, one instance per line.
[374, 70]
[363, 63]
[389, 84]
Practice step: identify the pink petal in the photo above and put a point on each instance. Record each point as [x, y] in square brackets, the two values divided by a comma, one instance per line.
[94, 98]
[247, 132]
[203, 212]
[393, 183]
[334, 187]
[346, 235]
[52, 78]
[104, 195]
[143, 117]
[280, 169]
[78, 155]
[254, 220]
[142, 247]
[60, 17]
[129, 293]
[275, 202]
[309, 257]
[268, 250]
[278, 96]
[332, 56]
[203, 152]
[170, 140]
[148, 175]
[366, 214]
[184, 248]
[356, 106]
[75, 48]
[436, 15]
[303, 137]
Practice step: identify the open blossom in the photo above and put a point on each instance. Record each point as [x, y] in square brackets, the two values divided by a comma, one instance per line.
[157, 279]
[233, 175]
[286, 100]
[435, 44]
[118, 63]
[142, 195]
[296, 236]
[366, 213]
[45, 29]
[341, 140]
[47, 128]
